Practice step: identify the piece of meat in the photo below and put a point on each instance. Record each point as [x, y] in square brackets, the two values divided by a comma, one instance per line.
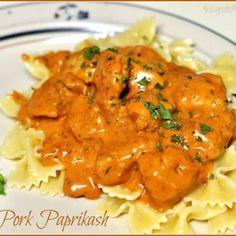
[86, 120]
[111, 76]
[143, 115]
[52, 99]
[202, 146]
[168, 176]
[44, 101]
[198, 92]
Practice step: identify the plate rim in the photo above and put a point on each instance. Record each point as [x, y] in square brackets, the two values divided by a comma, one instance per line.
[127, 4]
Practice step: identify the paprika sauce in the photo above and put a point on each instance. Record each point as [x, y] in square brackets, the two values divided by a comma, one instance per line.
[126, 116]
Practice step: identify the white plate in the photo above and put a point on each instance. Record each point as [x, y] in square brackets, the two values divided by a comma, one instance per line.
[37, 27]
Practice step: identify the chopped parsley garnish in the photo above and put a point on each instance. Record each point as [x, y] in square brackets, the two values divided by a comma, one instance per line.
[90, 99]
[91, 52]
[158, 146]
[171, 125]
[58, 82]
[83, 65]
[139, 98]
[130, 61]
[89, 74]
[130, 54]
[145, 37]
[159, 86]
[165, 114]
[197, 157]
[176, 139]
[190, 113]
[2, 182]
[158, 111]
[205, 128]
[123, 100]
[146, 67]
[179, 140]
[161, 98]
[115, 50]
[211, 176]
[124, 80]
[144, 81]
[153, 110]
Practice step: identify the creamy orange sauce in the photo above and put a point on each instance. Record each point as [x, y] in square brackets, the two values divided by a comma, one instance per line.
[126, 116]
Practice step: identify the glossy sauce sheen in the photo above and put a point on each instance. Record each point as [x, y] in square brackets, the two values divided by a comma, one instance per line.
[126, 116]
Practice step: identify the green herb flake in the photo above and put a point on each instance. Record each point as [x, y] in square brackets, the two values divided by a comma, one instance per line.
[124, 80]
[197, 158]
[176, 139]
[165, 114]
[145, 37]
[179, 140]
[91, 99]
[146, 67]
[139, 98]
[190, 113]
[171, 125]
[188, 204]
[115, 50]
[2, 182]
[211, 176]
[83, 65]
[159, 86]
[130, 61]
[153, 110]
[130, 54]
[57, 82]
[205, 128]
[144, 81]
[89, 74]
[91, 52]
[123, 101]
[161, 98]
[158, 146]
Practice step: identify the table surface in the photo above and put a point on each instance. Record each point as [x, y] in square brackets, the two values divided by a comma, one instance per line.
[219, 16]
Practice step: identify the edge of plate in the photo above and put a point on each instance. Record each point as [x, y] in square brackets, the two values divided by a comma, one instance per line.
[134, 6]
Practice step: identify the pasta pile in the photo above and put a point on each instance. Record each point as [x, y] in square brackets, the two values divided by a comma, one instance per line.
[22, 145]
[214, 202]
